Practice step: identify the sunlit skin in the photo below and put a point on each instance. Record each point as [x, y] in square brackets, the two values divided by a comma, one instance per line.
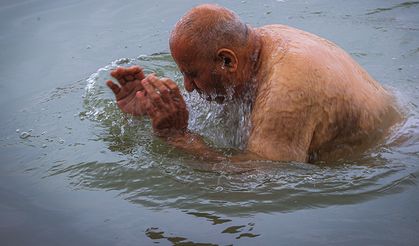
[311, 102]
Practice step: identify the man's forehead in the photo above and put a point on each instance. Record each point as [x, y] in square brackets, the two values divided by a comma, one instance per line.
[187, 57]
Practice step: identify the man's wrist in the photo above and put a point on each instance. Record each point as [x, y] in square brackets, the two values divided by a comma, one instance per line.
[171, 133]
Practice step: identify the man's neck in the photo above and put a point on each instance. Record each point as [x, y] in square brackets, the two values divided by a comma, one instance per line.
[255, 61]
[256, 54]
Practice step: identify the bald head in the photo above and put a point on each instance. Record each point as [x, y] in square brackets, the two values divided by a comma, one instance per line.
[207, 28]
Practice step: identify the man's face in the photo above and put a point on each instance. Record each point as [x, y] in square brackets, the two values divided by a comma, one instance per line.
[204, 77]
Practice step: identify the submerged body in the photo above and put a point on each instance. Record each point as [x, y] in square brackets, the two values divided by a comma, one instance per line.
[311, 100]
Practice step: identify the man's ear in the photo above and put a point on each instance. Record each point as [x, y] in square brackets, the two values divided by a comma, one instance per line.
[228, 59]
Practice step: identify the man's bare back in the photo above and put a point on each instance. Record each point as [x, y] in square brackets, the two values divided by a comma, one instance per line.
[314, 101]
[311, 99]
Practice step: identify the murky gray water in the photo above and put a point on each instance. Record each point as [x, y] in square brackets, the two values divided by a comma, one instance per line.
[75, 170]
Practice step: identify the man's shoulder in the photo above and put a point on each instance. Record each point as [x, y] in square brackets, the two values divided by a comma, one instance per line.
[295, 39]
[284, 31]
[275, 27]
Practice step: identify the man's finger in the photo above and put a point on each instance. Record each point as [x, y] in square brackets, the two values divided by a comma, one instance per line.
[117, 73]
[146, 104]
[129, 73]
[122, 81]
[129, 78]
[171, 85]
[134, 69]
[161, 88]
[152, 94]
[124, 75]
[176, 96]
[122, 101]
[140, 75]
[114, 87]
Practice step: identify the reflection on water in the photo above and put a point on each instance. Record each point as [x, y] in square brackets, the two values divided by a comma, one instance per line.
[144, 170]
[229, 229]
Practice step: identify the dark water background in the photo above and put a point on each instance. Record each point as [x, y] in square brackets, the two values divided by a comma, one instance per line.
[75, 171]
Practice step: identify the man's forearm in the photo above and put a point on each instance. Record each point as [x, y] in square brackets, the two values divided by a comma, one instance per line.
[214, 161]
[194, 144]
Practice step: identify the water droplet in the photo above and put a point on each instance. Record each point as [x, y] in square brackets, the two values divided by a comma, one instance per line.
[219, 188]
[18, 130]
[61, 141]
[25, 135]
[44, 146]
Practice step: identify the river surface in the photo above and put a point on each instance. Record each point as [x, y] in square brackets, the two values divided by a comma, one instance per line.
[74, 170]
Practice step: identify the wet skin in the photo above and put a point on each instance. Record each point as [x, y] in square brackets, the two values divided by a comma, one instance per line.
[160, 99]
[312, 100]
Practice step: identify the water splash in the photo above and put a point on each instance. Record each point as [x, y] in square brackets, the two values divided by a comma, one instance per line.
[157, 175]
[225, 125]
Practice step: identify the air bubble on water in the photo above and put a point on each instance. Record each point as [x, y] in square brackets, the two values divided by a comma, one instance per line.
[25, 135]
[44, 146]
[219, 188]
[17, 130]
[61, 141]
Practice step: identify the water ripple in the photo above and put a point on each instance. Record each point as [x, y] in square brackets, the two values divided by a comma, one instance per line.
[149, 172]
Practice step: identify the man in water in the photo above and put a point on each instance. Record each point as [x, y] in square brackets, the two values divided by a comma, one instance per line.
[311, 100]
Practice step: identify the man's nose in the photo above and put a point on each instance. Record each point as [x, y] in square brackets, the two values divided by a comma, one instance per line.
[189, 84]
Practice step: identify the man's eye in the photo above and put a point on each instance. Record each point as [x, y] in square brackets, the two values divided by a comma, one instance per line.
[190, 75]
